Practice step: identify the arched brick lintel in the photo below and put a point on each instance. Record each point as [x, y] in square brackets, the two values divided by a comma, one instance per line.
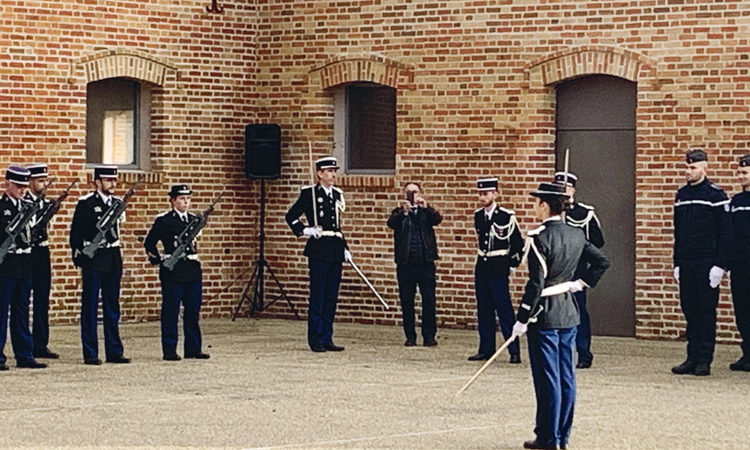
[114, 63]
[589, 60]
[371, 68]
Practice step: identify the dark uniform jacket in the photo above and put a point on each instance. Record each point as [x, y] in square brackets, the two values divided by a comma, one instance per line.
[701, 224]
[38, 234]
[15, 265]
[499, 241]
[107, 259]
[425, 220]
[39, 239]
[581, 215]
[166, 228]
[739, 212]
[555, 250]
[321, 210]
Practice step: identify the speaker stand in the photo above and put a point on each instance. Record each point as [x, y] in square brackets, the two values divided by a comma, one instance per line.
[254, 291]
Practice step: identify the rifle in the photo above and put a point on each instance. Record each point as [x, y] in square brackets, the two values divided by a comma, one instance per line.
[108, 221]
[48, 210]
[188, 235]
[16, 226]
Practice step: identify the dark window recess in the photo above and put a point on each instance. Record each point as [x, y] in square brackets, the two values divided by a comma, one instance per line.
[371, 128]
[112, 121]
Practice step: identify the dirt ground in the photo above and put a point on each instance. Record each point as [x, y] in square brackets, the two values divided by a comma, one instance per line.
[263, 388]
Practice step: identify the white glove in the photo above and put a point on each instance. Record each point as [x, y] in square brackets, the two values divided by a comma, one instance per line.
[519, 329]
[677, 274]
[577, 286]
[347, 255]
[714, 276]
[311, 232]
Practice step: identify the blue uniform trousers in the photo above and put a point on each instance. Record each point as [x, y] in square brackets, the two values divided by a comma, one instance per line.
[740, 281]
[583, 335]
[698, 301]
[410, 276]
[41, 282]
[14, 295]
[109, 286]
[493, 303]
[325, 278]
[551, 356]
[190, 295]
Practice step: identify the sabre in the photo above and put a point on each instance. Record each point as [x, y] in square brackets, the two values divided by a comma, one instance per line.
[497, 353]
[372, 288]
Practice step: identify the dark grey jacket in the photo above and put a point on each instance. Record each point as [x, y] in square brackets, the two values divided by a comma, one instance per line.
[427, 218]
[554, 252]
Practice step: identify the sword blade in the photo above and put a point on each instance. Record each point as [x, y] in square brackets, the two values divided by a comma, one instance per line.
[372, 288]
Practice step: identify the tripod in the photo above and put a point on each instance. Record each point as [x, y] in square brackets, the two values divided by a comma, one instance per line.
[256, 282]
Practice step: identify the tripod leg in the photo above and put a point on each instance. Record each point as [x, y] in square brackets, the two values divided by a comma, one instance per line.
[281, 288]
[244, 294]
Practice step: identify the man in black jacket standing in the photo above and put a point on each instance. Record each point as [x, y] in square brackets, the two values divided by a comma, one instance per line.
[739, 262]
[701, 245]
[415, 249]
[555, 251]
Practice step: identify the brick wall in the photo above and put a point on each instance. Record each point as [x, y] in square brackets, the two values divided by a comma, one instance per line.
[475, 96]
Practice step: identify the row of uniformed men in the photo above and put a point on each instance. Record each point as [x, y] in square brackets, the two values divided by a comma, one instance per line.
[26, 267]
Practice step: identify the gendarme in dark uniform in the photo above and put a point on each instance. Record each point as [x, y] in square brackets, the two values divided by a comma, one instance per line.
[322, 206]
[701, 245]
[15, 273]
[554, 253]
[500, 247]
[583, 216]
[41, 274]
[739, 262]
[100, 274]
[183, 284]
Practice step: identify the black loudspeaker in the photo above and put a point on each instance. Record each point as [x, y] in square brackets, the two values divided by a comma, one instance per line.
[263, 151]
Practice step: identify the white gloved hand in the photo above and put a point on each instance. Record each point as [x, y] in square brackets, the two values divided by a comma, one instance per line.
[577, 286]
[677, 274]
[311, 232]
[714, 276]
[347, 255]
[519, 329]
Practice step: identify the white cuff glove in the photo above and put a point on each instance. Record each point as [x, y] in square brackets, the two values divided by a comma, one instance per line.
[311, 232]
[519, 329]
[577, 286]
[347, 255]
[677, 274]
[714, 276]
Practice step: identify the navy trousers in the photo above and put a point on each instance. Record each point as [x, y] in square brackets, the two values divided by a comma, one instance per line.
[14, 296]
[109, 286]
[698, 301]
[740, 281]
[493, 303]
[325, 278]
[583, 335]
[409, 277]
[190, 295]
[41, 283]
[551, 356]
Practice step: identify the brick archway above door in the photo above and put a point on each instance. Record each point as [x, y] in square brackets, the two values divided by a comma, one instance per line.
[590, 60]
[369, 68]
[117, 62]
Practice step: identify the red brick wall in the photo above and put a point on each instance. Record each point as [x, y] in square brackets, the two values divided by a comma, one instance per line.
[475, 85]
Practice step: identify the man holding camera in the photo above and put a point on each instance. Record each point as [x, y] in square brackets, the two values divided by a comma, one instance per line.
[415, 249]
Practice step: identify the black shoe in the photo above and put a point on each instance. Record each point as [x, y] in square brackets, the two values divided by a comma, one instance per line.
[331, 347]
[317, 348]
[515, 358]
[410, 343]
[741, 365]
[3, 367]
[119, 359]
[30, 364]
[535, 444]
[200, 355]
[92, 361]
[172, 357]
[478, 357]
[583, 364]
[702, 370]
[685, 368]
[430, 342]
[46, 354]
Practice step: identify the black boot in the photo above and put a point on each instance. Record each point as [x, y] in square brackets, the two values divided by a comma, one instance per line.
[688, 366]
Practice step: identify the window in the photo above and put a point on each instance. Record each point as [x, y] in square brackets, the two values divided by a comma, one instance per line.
[365, 128]
[117, 122]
